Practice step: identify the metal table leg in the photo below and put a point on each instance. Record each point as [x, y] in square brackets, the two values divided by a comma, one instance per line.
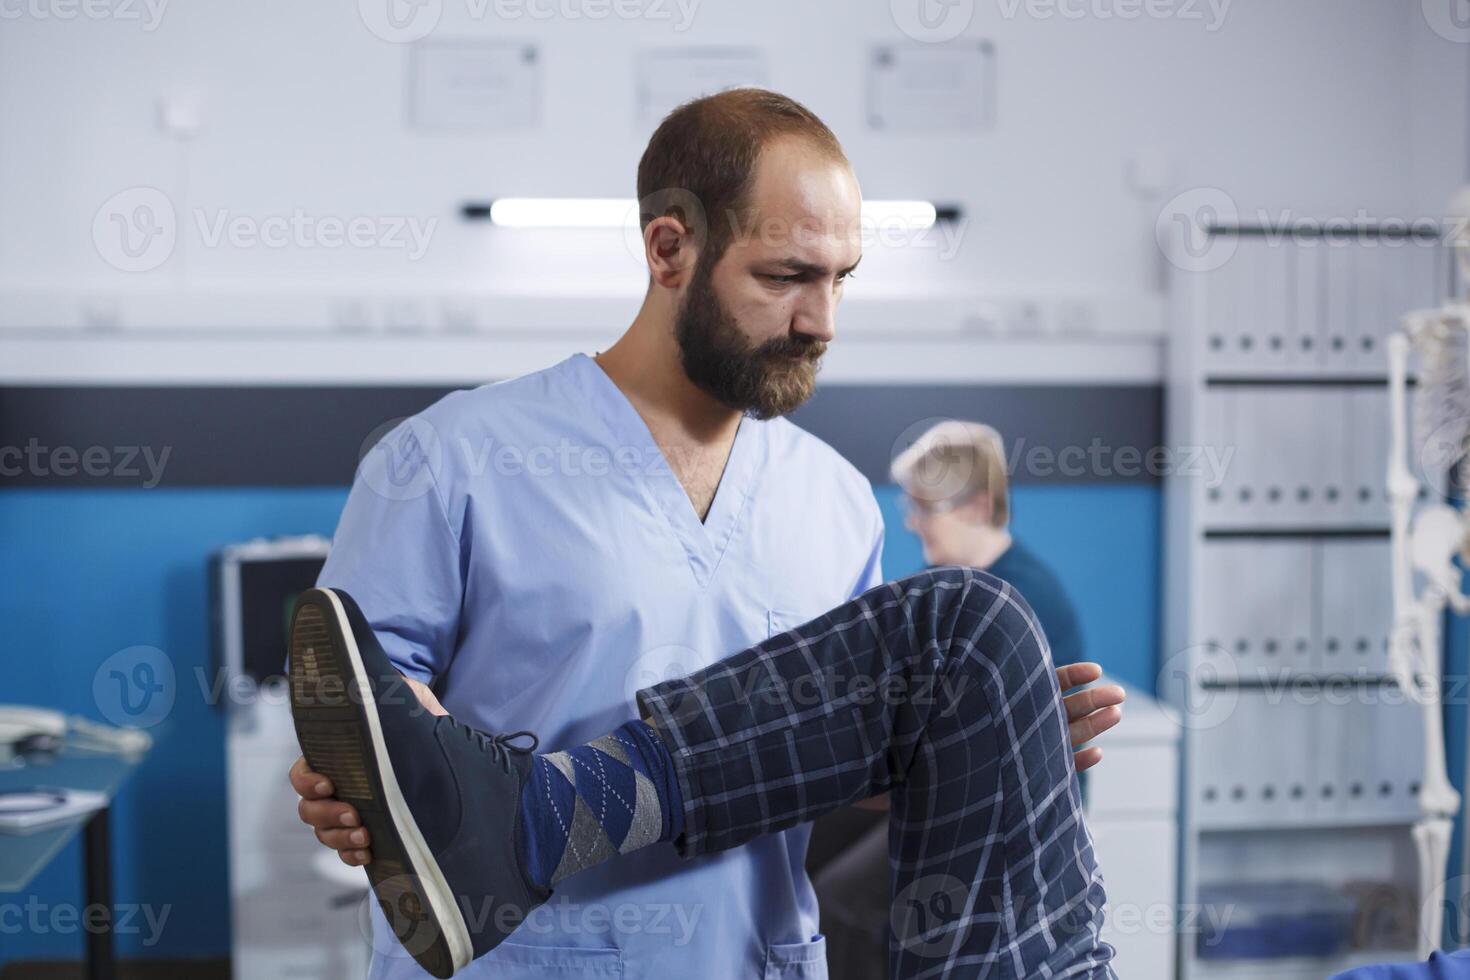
[97, 858]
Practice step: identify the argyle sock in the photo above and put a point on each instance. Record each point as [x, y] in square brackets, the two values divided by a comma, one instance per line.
[610, 796]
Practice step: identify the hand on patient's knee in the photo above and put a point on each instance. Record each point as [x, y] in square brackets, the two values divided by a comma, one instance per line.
[1090, 711]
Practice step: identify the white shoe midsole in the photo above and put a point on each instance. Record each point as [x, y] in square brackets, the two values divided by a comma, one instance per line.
[431, 878]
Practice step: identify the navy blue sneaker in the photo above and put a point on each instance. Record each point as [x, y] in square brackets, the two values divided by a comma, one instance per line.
[440, 800]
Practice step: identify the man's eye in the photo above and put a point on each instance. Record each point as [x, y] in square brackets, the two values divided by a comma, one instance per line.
[783, 280]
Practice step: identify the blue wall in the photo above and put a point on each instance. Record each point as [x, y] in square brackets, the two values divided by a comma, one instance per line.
[1103, 542]
[90, 572]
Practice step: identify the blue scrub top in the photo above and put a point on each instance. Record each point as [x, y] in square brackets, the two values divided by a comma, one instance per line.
[525, 547]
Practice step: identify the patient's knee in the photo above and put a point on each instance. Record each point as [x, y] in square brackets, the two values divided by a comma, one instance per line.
[997, 620]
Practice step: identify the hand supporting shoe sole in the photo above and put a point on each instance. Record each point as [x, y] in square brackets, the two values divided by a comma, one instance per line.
[440, 799]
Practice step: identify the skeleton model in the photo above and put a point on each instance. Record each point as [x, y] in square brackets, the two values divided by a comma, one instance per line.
[1425, 541]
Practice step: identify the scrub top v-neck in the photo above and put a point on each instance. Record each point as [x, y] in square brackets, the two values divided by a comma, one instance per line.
[704, 541]
[525, 547]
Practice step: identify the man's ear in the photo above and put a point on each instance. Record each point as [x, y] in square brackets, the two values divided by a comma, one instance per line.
[670, 251]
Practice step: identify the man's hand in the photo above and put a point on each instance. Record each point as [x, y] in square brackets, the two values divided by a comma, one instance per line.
[1089, 713]
[338, 825]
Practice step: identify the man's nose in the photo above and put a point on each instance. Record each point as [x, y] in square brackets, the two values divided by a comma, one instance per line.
[817, 318]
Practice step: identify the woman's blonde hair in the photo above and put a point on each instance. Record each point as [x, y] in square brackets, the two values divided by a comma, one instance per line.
[954, 461]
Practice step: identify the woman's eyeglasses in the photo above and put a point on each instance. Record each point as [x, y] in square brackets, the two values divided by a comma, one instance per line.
[925, 508]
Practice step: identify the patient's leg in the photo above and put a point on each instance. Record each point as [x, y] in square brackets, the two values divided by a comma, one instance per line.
[939, 689]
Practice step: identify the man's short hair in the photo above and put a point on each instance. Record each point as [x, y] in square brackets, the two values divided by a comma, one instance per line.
[703, 155]
[952, 462]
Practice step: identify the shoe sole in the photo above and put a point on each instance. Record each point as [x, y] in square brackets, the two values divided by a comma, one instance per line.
[341, 737]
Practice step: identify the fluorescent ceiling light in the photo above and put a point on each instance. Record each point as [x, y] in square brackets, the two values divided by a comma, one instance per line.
[910, 214]
[620, 212]
[563, 212]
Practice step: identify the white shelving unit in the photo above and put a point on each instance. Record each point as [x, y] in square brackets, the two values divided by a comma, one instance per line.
[1300, 752]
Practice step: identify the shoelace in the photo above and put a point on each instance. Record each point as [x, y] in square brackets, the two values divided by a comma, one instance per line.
[499, 746]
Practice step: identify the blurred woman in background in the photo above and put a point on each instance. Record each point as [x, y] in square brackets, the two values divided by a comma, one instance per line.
[956, 499]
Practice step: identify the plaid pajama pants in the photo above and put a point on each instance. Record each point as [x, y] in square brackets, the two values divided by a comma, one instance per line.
[939, 690]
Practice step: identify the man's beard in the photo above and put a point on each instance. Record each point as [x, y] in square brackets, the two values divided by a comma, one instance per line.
[763, 382]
